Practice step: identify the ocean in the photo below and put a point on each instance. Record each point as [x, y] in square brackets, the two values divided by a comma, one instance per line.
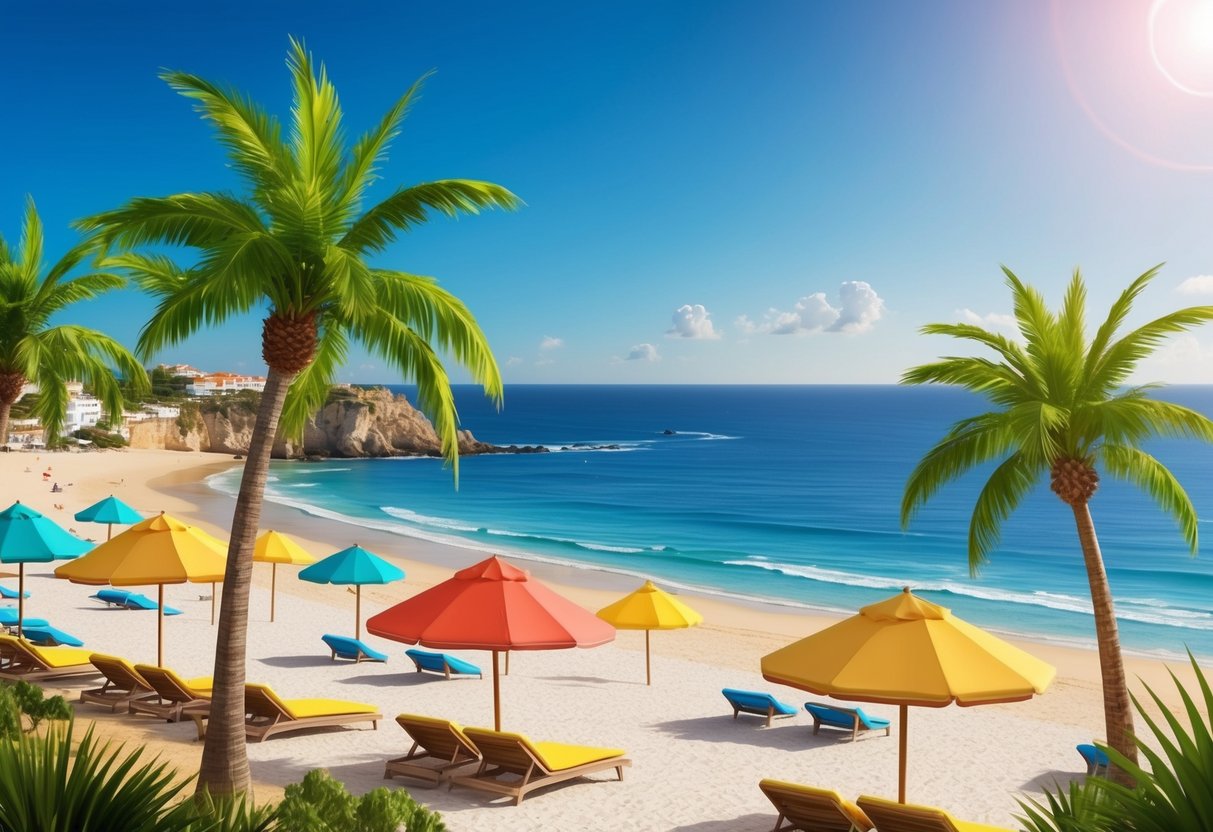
[787, 494]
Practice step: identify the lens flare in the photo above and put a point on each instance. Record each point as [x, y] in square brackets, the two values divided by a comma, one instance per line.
[1181, 44]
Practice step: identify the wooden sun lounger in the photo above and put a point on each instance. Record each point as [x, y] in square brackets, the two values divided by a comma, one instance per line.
[269, 714]
[21, 660]
[172, 694]
[890, 816]
[539, 764]
[433, 740]
[817, 810]
[122, 685]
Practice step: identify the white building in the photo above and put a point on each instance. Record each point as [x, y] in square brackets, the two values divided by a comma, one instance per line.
[216, 383]
[182, 370]
[82, 412]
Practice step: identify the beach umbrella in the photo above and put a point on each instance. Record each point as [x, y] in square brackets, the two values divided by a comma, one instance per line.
[906, 651]
[111, 510]
[28, 536]
[355, 566]
[160, 550]
[649, 608]
[491, 606]
[275, 548]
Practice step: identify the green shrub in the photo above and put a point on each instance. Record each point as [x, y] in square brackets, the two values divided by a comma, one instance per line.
[33, 703]
[322, 804]
[1175, 795]
[10, 714]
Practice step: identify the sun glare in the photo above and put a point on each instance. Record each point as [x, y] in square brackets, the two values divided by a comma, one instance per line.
[1181, 42]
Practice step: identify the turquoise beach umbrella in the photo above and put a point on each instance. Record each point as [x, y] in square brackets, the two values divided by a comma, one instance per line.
[111, 510]
[28, 536]
[355, 566]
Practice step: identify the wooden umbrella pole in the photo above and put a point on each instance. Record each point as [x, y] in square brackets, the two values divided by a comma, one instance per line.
[273, 588]
[20, 600]
[648, 672]
[212, 603]
[507, 665]
[358, 612]
[497, 693]
[901, 748]
[109, 530]
[160, 626]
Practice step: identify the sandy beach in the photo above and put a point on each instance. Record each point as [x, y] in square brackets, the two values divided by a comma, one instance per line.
[694, 767]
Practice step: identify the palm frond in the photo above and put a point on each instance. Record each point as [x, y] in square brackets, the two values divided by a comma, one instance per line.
[999, 383]
[1072, 322]
[370, 150]
[31, 242]
[316, 134]
[1132, 418]
[1001, 495]
[1151, 476]
[84, 287]
[1117, 314]
[196, 220]
[1121, 357]
[411, 206]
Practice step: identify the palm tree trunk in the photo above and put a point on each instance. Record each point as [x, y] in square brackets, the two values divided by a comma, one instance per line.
[224, 768]
[1118, 713]
[5, 407]
[11, 385]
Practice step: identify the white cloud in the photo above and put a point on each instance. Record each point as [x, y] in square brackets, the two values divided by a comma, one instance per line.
[859, 308]
[551, 343]
[1201, 284]
[513, 361]
[643, 352]
[692, 322]
[991, 319]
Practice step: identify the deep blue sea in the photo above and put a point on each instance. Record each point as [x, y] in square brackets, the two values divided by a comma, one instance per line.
[788, 494]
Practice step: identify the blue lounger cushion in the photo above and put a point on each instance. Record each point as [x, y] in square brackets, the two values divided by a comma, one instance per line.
[10, 594]
[760, 704]
[850, 719]
[47, 636]
[1095, 758]
[442, 663]
[130, 600]
[8, 618]
[344, 647]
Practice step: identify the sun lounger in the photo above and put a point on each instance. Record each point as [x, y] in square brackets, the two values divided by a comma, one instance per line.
[267, 713]
[537, 763]
[442, 663]
[130, 600]
[433, 739]
[8, 619]
[850, 719]
[813, 810]
[48, 636]
[172, 693]
[123, 684]
[1095, 758]
[344, 647]
[891, 816]
[759, 704]
[10, 594]
[21, 660]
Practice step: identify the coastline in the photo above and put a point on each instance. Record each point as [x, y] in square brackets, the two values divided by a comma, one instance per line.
[724, 651]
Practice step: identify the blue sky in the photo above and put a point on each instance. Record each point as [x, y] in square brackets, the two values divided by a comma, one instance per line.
[809, 182]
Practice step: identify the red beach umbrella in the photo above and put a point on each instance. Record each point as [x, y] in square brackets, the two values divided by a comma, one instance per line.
[491, 606]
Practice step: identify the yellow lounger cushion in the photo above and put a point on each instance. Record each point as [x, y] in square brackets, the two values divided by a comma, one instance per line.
[928, 813]
[557, 756]
[62, 656]
[201, 685]
[304, 708]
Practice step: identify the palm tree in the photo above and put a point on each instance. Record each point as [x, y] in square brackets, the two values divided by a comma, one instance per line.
[1062, 409]
[295, 247]
[31, 293]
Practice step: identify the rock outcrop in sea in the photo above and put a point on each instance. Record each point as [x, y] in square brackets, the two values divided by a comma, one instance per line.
[354, 422]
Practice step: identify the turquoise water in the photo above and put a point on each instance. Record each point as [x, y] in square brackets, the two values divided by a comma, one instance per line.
[788, 494]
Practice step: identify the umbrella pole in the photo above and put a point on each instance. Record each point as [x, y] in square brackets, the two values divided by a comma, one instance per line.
[901, 764]
[497, 692]
[160, 626]
[109, 531]
[507, 666]
[273, 588]
[212, 603]
[20, 599]
[358, 612]
[648, 672]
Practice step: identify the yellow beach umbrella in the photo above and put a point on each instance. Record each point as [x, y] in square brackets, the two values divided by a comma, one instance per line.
[906, 651]
[161, 550]
[275, 548]
[649, 608]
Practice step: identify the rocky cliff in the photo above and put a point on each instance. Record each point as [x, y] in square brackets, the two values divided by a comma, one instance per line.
[353, 423]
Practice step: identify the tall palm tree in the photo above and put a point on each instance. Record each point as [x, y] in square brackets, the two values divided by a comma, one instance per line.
[31, 349]
[1062, 409]
[296, 247]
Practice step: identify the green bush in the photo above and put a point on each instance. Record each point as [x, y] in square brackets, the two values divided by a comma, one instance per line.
[1175, 795]
[322, 804]
[10, 714]
[33, 703]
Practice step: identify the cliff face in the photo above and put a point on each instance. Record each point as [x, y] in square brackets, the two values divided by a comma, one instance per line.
[354, 423]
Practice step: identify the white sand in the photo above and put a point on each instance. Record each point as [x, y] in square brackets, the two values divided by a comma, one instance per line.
[694, 767]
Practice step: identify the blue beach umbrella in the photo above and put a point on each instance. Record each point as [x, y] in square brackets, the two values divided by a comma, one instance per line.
[27, 536]
[111, 510]
[354, 566]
